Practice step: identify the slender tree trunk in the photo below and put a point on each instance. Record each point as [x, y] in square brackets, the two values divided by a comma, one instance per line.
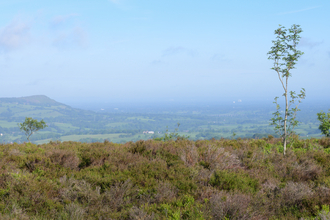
[285, 120]
[285, 116]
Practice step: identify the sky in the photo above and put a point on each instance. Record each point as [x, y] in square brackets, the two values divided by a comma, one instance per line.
[158, 51]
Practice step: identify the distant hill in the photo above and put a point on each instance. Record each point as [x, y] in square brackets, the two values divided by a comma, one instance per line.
[39, 106]
[62, 121]
[38, 100]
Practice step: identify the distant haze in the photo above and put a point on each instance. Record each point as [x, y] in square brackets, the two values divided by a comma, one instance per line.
[130, 51]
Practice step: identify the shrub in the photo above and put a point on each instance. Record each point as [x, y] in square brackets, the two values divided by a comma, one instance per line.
[189, 155]
[180, 179]
[165, 192]
[138, 214]
[324, 142]
[119, 195]
[77, 191]
[232, 181]
[217, 158]
[230, 206]
[74, 212]
[294, 194]
[65, 158]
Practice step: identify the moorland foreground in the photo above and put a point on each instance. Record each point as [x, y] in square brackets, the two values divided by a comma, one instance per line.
[174, 179]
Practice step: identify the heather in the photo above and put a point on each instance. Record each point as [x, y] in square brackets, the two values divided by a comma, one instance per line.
[174, 179]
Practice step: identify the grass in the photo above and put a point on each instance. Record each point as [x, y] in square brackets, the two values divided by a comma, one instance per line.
[6, 124]
[117, 124]
[65, 126]
[98, 136]
[176, 179]
[20, 110]
[140, 118]
[12, 137]
[303, 130]
[38, 113]
[4, 106]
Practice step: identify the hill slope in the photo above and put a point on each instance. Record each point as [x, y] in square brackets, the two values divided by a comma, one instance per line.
[38, 106]
[39, 100]
[60, 118]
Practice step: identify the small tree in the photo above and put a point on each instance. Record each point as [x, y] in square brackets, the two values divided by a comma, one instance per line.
[30, 126]
[284, 53]
[325, 122]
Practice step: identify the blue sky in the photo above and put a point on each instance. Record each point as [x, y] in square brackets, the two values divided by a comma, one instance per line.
[139, 50]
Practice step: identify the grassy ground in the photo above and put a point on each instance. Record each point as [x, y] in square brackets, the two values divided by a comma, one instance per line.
[117, 124]
[113, 137]
[38, 113]
[99, 136]
[175, 179]
[139, 118]
[65, 126]
[6, 124]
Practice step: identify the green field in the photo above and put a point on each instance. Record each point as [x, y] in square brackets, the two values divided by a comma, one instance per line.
[98, 136]
[38, 113]
[144, 119]
[65, 126]
[6, 124]
[117, 124]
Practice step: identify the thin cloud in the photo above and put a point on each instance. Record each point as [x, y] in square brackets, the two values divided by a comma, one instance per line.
[156, 62]
[140, 18]
[297, 11]
[34, 83]
[217, 57]
[114, 1]
[80, 36]
[67, 35]
[15, 35]
[61, 19]
[121, 4]
[177, 50]
[71, 39]
[306, 42]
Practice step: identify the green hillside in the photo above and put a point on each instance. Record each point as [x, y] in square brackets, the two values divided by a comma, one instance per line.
[39, 100]
[59, 117]
[38, 106]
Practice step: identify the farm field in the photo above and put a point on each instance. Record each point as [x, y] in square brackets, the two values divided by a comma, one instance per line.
[6, 124]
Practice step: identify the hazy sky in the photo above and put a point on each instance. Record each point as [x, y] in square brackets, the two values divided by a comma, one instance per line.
[112, 50]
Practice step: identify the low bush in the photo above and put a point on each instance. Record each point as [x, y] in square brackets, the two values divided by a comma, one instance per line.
[224, 205]
[234, 181]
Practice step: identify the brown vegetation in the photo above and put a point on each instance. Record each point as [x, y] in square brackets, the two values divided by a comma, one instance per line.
[182, 179]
